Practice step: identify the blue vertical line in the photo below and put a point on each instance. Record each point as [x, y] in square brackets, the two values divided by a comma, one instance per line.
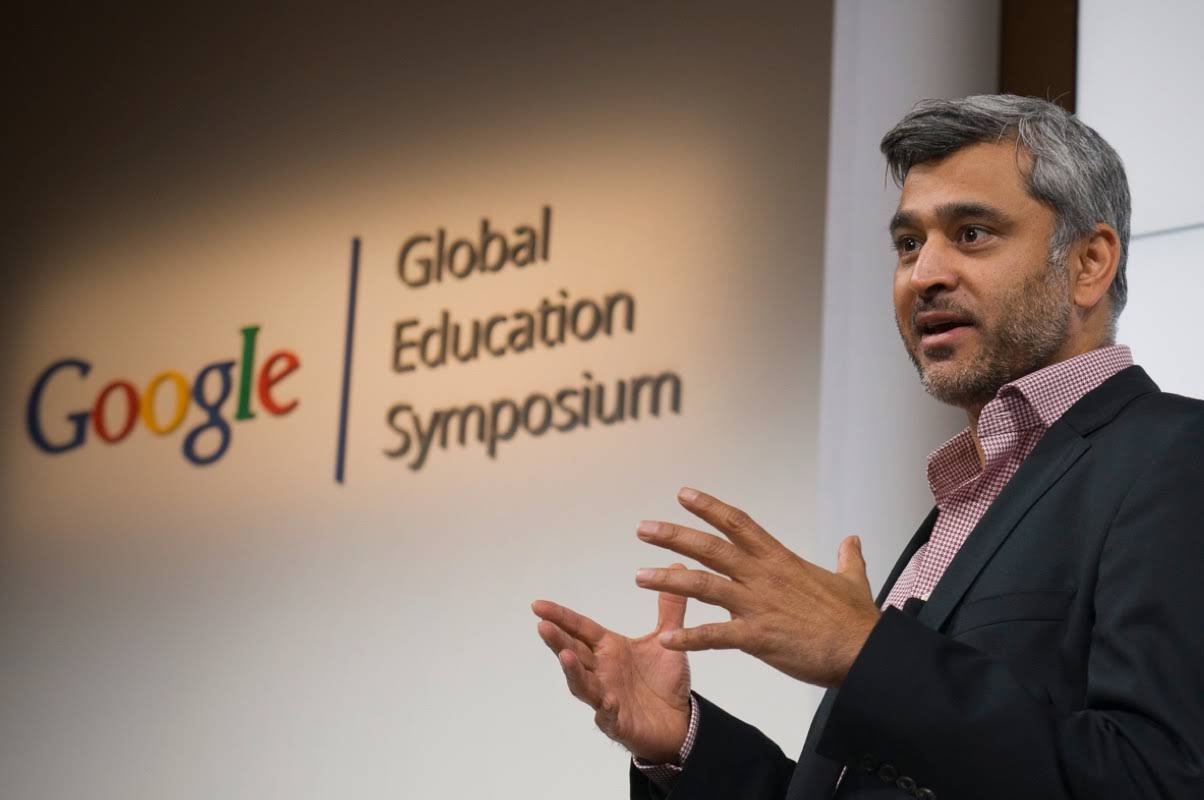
[348, 347]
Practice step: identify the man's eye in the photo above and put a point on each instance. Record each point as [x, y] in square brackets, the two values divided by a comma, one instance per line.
[973, 234]
[907, 244]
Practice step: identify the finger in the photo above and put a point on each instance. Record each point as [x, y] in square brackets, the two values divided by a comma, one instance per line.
[714, 552]
[607, 714]
[706, 586]
[714, 636]
[558, 640]
[731, 521]
[583, 684]
[576, 625]
[671, 608]
[850, 563]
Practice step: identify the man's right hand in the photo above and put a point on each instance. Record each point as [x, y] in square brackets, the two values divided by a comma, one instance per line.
[640, 691]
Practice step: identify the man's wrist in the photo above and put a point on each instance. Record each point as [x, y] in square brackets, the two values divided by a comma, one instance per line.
[669, 770]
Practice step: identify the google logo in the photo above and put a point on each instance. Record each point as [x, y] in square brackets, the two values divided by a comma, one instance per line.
[122, 400]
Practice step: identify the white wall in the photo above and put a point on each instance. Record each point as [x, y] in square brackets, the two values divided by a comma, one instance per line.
[251, 629]
[1165, 284]
[1139, 85]
[876, 423]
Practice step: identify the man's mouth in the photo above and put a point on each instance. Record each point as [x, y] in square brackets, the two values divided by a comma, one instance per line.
[942, 328]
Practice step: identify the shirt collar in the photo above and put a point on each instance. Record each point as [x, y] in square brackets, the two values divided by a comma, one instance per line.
[1035, 400]
[1054, 389]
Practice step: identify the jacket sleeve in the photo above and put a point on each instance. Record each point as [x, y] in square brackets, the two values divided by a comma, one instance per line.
[958, 722]
[730, 759]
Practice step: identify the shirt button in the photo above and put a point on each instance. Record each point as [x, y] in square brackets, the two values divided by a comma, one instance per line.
[925, 794]
[906, 784]
[869, 763]
[888, 773]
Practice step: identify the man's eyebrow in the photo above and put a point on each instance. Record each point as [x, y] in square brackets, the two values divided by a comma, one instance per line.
[902, 219]
[948, 212]
[952, 211]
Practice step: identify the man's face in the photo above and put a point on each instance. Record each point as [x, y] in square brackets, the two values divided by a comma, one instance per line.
[976, 300]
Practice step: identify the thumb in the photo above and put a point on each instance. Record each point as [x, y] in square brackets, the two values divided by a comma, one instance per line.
[671, 608]
[850, 563]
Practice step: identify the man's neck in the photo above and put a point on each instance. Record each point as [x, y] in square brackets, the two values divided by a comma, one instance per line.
[1069, 351]
[973, 413]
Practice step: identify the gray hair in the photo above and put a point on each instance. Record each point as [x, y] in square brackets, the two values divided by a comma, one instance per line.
[1073, 171]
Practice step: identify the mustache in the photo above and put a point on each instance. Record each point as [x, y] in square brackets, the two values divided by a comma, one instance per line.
[940, 304]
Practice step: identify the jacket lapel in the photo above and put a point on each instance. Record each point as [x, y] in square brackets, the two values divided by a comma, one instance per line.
[1061, 446]
[1058, 449]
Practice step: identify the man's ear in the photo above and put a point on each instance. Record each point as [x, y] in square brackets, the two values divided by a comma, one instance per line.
[1093, 263]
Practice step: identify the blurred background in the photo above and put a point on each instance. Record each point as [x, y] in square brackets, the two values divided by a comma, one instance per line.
[254, 627]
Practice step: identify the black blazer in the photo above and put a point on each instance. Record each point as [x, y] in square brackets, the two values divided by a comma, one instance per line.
[1060, 656]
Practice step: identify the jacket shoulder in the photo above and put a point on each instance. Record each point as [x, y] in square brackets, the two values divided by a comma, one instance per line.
[1164, 410]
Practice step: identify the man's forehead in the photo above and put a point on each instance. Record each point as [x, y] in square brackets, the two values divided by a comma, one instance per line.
[985, 175]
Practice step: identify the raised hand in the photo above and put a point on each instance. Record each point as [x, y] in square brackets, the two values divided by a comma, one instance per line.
[800, 618]
[639, 690]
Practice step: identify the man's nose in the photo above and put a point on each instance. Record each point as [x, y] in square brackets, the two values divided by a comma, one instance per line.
[934, 269]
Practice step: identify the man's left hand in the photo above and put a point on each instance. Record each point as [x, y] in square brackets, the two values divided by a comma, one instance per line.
[793, 615]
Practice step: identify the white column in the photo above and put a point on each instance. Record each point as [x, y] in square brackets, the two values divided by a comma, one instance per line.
[876, 423]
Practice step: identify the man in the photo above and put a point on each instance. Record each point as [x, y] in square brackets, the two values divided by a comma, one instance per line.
[1041, 635]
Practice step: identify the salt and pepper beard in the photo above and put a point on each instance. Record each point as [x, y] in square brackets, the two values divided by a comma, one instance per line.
[1034, 322]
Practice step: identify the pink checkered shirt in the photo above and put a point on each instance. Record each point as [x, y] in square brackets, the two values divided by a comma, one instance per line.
[1009, 427]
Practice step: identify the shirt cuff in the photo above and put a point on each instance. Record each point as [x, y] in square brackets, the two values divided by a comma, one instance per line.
[665, 775]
